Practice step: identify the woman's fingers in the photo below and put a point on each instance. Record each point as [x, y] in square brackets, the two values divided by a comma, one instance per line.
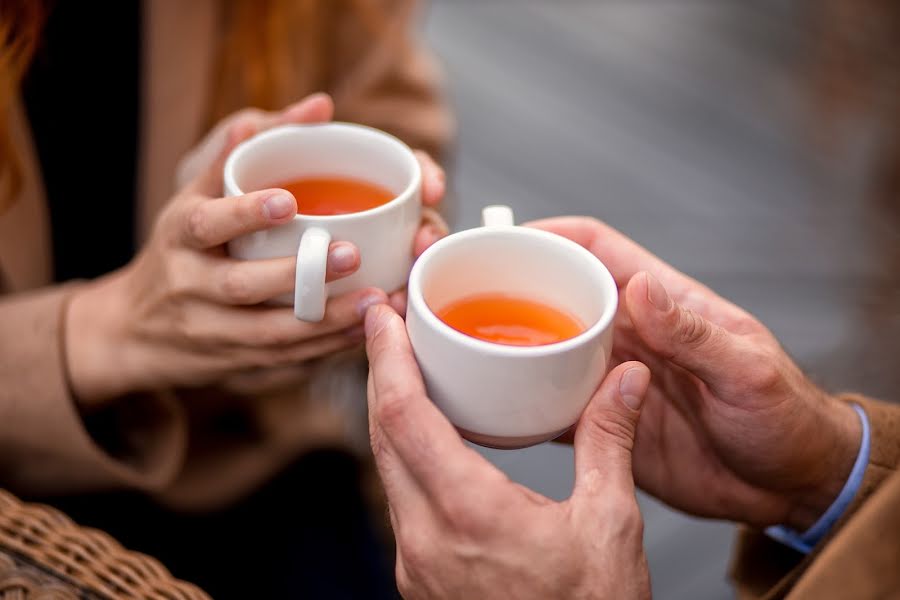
[434, 181]
[212, 222]
[300, 352]
[247, 122]
[399, 301]
[254, 281]
[426, 236]
[432, 228]
[272, 327]
[316, 108]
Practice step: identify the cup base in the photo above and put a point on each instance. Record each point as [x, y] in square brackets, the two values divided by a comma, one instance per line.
[508, 442]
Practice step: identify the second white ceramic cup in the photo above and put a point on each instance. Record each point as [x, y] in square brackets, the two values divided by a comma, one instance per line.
[510, 396]
[384, 234]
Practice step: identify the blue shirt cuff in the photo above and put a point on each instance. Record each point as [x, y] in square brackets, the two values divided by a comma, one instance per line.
[806, 541]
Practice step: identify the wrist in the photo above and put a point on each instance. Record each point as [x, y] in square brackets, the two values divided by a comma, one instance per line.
[93, 343]
[839, 434]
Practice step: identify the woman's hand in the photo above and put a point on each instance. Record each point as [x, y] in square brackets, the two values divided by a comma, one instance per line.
[464, 530]
[183, 313]
[313, 109]
[316, 108]
[731, 428]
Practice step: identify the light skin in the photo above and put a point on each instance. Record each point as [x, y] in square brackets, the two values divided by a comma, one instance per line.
[731, 427]
[183, 313]
[464, 530]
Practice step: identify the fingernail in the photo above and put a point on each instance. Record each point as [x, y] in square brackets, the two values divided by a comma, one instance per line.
[279, 206]
[657, 294]
[341, 259]
[368, 301]
[633, 387]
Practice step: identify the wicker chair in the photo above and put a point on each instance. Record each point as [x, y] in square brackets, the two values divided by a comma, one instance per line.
[45, 556]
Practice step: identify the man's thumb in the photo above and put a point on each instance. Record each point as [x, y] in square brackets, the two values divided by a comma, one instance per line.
[677, 333]
[605, 433]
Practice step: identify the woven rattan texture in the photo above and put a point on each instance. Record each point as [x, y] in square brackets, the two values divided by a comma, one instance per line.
[44, 555]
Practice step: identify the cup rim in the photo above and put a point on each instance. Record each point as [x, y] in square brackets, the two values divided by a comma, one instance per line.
[417, 299]
[290, 129]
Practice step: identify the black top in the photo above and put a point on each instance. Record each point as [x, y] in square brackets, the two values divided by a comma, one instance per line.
[82, 97]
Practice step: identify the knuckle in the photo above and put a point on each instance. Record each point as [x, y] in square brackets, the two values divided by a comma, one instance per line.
[745, 323]
[404, 581]
[607, 426]
[176, 277]
[465, 515]
[391, 409]
[253, 358]
[169, 226]
[186, 328]
[627, 517]
[377, 441]
[416, 551]
[236, 285]
[764, 374]
[268, 335]
[198, 226]
[250, 115]
[249, 209]
[692, 328]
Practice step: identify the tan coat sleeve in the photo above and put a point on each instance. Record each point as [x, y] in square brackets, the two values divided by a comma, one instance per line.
[45, 445]
[764, 568]
[381, 75]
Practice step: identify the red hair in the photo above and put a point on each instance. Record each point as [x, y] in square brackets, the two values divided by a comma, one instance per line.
[258, 61]
[20, 30]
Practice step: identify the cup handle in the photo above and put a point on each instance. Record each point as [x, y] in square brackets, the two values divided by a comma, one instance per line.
[309, 285]
[497, 215]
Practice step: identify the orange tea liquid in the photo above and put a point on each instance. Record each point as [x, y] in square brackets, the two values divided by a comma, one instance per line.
[335, 195]
[503, 319]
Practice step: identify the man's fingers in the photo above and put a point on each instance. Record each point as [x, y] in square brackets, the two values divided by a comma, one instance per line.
[405, 495]
[417, 431]
[624, 257]
[605, 434]
[213, 222]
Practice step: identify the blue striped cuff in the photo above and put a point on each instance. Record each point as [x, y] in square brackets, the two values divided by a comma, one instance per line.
[806, 541]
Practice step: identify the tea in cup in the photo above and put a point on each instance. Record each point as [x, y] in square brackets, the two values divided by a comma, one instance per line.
[352, 183]
[512, 328]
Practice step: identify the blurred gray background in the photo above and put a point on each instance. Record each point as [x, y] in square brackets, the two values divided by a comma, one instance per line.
[686, 124]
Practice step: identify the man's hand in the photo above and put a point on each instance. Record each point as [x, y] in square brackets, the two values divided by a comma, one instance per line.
[732, 428]
[464, 530]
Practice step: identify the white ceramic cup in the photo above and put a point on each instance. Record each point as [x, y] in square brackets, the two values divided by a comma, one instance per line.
[384, 234]
[510, 396]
